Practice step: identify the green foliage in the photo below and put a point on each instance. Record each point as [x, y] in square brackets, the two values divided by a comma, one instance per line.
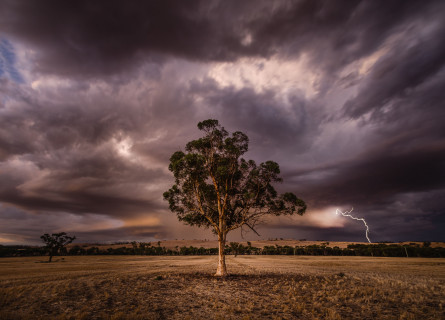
[215, 187]
[376, 250]
[77, 250]
[21, 251]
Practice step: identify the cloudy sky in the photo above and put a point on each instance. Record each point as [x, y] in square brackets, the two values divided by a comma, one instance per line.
[347, 96]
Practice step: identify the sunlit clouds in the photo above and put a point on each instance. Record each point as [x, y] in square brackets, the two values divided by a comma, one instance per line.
[346, 97]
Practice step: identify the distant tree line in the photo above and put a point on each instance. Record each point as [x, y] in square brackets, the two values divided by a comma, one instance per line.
[235, 248]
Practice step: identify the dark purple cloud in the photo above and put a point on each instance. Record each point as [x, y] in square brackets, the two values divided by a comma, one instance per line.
[89, 38]
[346, 96]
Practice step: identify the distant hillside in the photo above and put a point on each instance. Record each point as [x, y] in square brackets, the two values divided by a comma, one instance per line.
[259, 247]
[172, 244]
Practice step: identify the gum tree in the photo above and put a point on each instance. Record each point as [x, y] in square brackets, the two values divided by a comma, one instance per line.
[55, 242]
[216, 188]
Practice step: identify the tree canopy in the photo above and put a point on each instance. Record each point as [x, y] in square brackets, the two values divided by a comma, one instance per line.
[215, 187]
[55, 242]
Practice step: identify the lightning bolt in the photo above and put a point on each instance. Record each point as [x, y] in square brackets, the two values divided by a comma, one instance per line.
[347, 214]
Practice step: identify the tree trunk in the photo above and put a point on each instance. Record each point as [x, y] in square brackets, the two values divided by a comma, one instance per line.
[52, 252]
[221, 271]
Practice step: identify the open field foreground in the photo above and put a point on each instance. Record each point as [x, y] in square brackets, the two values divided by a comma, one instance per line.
[260, 287]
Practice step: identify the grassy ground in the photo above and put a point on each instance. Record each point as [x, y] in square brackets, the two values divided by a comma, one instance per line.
[260, 287]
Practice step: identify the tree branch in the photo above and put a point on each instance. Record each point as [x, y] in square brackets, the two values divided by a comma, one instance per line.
[201, 209]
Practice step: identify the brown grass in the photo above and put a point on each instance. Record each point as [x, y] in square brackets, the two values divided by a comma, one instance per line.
[261, 287]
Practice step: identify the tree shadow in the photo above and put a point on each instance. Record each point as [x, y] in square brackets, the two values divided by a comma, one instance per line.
[233, 276]
[54, 260]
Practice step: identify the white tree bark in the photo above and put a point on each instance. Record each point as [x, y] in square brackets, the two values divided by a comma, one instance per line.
[221, 271]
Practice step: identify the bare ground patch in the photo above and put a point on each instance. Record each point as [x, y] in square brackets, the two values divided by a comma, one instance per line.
[184, 288]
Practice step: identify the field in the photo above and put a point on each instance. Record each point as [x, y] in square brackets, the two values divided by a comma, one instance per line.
[260, 287]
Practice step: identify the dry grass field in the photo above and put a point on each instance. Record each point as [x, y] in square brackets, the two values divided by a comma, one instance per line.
[260, 287]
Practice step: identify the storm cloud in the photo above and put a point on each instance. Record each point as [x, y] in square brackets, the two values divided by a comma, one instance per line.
[346, 96]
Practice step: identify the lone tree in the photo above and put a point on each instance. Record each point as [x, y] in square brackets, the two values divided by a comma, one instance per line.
[55, 242]
[217, 188]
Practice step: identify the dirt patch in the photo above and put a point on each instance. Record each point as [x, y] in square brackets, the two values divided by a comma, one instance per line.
[281, 288]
